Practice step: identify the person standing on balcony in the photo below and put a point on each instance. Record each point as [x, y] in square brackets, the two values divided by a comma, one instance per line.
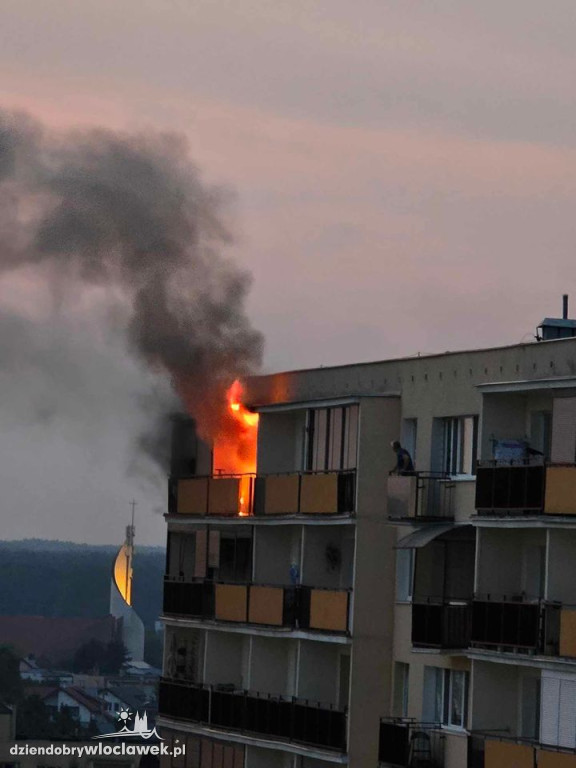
[404, 463]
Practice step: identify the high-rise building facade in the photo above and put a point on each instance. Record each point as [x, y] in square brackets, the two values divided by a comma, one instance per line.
[324, 611]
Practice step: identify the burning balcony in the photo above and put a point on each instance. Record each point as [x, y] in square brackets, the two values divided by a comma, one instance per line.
[289, 719]
[404, 743]
[443, 625]
[293, 607]
[424, 495]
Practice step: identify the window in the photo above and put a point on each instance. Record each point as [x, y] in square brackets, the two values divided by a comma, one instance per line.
[404, 575]
[460, 445]
[235, 561]
[445, 696]
[332, 435]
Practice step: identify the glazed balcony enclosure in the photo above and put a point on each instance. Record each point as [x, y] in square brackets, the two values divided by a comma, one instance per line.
[298, 493]
[293, 607]
[275, 717]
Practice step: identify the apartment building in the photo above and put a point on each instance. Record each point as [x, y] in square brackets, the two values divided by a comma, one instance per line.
[320, 611]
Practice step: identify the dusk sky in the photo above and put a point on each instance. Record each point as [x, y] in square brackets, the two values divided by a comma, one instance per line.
[402, 179]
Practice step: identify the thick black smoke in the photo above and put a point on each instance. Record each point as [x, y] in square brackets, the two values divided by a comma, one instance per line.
[128, 213]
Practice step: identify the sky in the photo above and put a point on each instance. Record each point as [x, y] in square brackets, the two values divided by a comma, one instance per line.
[401, 177]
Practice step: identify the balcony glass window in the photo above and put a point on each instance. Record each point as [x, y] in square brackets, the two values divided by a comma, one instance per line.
[332, 435]
[401, 680]
[445, 696]
[235, 562]
[460, 445]
[404, 575]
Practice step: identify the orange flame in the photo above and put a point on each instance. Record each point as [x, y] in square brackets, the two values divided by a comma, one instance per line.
[235, 446]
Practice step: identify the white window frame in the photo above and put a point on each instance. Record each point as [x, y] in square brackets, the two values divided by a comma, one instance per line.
[456, 445]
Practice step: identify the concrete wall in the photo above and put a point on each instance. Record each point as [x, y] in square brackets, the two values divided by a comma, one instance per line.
[225, 659]
[316, 569]
[274, 550]
[318, 673]
[371, 664]
[281, 442]
[507, 560]
[495, 699]
[562, 566]
[257, 757]
[273, 666]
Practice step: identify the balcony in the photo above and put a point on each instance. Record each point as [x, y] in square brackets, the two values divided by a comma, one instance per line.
[525, 489]
[289, 719]
[294, 607]
[514, 489]
[525, 627]
[405, 743]
[424, 495]
[302, 493]
[486, 751]
[306, 493]
[443, 625]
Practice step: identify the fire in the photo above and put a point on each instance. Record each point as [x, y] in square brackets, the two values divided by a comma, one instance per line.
[235, 446]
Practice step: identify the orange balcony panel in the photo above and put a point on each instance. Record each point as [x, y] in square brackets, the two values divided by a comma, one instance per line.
[231, 601]
[266, 605]
[224, 496]
[192, 496]
[555, 760]
[319, 494]
[506, 754]
[281, 494]
[329, 610]
[568, 633]
[560, 496]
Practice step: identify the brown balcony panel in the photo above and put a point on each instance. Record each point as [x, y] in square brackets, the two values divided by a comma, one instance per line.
[548, 759]
[560, 491]
[568, 633]
[281, 494]
[266, 606]
[329, 610]
[319, 494]
[506, 754]
[192, 496]
[223, 496]
[231, 602]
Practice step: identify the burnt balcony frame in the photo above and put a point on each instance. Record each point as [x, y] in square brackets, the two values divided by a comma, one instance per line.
[196, 599]
[286, 718]
[399, 738]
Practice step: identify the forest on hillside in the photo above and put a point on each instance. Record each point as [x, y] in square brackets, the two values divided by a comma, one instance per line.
[53, 578]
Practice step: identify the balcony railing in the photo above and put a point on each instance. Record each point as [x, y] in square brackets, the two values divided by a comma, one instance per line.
[511, 489]
[525, 489]
[290, 607]
[445, 624]
[425, 495]
[298, 493]
[514, 625]
[492, 751]
[405, 743]
[288, 719]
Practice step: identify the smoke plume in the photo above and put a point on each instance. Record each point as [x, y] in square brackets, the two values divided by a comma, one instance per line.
[125, 220]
